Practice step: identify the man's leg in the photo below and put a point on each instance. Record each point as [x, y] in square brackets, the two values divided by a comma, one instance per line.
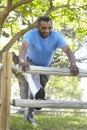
[29, 112]
[35, 91]
[44, 79]
[35, 86]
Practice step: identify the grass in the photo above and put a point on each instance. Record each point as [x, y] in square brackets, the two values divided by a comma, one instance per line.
[49, 123]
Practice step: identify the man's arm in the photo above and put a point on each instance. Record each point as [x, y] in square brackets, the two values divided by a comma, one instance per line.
[23, 51]
[22, 56]
[69, 54]
[73, 67]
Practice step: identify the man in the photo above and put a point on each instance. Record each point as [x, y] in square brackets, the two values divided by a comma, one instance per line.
[38, 48]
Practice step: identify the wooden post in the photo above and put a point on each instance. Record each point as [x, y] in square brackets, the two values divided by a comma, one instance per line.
[5, 91]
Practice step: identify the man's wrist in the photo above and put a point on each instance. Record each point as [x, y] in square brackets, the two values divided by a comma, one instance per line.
[22, 60]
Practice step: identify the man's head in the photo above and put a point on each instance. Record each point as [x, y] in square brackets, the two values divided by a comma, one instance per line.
[44, 26]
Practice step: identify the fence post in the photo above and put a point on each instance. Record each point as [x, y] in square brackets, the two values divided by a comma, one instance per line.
[5, 91]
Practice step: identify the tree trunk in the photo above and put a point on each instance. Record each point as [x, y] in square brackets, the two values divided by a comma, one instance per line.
[23, 85]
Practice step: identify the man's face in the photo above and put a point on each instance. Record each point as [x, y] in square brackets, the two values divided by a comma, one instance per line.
[45, 28]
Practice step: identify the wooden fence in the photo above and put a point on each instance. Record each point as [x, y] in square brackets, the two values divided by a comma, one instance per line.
[5, 91]
[5, 97]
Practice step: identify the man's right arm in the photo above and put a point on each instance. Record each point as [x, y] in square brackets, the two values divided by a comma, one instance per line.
[23, 50]
[22, 56]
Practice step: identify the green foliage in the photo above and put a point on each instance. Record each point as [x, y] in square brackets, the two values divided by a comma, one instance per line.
[72, 15]
[59, 59]
[64, 88]
[3, 3]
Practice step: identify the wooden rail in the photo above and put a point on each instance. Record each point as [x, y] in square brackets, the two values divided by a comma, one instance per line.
[49, 104]
[1, 65]
[0, 101]
[50, 70]
[5, 102]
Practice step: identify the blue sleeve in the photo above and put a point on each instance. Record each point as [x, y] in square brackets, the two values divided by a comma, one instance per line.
[60, 41]
[28, 37]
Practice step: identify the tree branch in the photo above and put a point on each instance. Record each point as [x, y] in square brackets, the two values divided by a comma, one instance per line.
[51, 3]
[20, 3]
[9, 3]
[68, 2]
[10, 8]
[67, 5]
[53, 8]
[16, 37]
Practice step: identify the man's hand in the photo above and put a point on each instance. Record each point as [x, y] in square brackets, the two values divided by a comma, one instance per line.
[25, 65]
[74, 70]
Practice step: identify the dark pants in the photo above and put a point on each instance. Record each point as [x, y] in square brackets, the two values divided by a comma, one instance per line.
[35, 82]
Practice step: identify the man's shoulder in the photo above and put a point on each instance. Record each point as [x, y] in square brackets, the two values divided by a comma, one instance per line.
[35, 30]
[55, 33]
[32, 31]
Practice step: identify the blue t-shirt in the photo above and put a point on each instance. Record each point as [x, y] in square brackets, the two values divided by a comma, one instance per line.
[42, 50]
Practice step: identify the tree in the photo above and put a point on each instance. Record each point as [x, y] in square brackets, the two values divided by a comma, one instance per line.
[17, 17]
[64, 88]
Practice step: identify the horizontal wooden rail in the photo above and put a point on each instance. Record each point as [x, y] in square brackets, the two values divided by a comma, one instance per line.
[49, 104]
[0, 101]
[50, 70]
[1, 66]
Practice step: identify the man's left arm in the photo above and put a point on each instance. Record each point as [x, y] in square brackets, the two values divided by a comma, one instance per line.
[73, 67]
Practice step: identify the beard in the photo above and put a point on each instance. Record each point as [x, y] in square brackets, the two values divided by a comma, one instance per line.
[44, 34]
